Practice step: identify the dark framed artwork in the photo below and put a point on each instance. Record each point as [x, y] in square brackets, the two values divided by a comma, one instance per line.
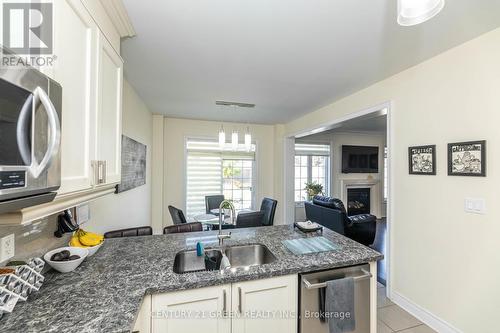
[422, 160]
[467, 159]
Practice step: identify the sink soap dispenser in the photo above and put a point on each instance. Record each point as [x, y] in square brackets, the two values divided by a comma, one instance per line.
[200, 250]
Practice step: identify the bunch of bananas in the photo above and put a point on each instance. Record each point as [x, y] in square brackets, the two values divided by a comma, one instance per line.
[82, 238]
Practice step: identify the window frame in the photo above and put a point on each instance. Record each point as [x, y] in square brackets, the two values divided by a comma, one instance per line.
[255, 171]
[328, 170]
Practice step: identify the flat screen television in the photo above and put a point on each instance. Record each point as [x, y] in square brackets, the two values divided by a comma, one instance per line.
[359, 159]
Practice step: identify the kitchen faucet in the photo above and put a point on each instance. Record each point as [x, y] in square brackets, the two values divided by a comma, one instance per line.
[222, 215]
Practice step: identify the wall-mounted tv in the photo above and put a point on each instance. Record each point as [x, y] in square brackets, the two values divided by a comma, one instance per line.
[359, 159]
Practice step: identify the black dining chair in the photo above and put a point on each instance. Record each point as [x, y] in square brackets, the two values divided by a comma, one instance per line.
[181, 228]
[249, 220]
[213, 202]
[129, 232]
[268, 207]
[177, 215]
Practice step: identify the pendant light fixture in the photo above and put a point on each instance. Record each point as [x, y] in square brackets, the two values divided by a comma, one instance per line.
[222, 138]
[234, 140]
[248, 139]
[413, 12]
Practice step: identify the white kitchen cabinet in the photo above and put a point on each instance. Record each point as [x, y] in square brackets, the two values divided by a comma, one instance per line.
[143, 321]
[192, 311]
[91, 74]
[75, 45]
[109, 113]
[268, 305]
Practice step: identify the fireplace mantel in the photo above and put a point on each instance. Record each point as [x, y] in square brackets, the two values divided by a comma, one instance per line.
[346, 184]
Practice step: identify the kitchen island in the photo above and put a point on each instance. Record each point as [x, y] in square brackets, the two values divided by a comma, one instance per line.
[105, 293]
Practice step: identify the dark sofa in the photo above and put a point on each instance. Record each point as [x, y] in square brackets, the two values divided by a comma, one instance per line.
[331, 213]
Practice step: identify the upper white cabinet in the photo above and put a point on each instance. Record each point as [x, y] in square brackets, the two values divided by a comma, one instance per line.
[90, 70]
[91, 74]
[109, 113]
[274, 299]
[192, 311]
[76, 47]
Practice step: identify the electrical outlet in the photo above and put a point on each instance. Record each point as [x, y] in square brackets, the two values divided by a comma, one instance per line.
[82, 214]
[7, 247]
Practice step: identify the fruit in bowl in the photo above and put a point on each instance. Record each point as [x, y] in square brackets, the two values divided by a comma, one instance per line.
[87, 240]
[65, 259]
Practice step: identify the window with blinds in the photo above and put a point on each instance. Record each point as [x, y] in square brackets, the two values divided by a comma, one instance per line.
[212, 171]
[312, 164]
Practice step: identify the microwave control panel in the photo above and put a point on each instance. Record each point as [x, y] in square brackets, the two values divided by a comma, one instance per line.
[12, 179]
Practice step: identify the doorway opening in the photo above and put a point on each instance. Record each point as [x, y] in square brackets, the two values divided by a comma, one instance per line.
[360, 141]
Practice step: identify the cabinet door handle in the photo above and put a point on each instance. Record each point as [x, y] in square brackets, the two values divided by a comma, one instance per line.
[95, 172]
[240, 306]
[99, 172]
[224, 303]
[104, 171]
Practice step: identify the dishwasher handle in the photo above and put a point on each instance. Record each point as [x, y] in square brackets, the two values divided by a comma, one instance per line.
[309, 285]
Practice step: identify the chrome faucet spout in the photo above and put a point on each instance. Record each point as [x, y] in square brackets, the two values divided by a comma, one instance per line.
[222, 215]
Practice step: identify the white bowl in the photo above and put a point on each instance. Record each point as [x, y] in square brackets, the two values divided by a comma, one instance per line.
[92, 249]
[66, 266]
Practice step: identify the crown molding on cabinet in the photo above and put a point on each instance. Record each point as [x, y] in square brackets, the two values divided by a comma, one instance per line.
[119, 17]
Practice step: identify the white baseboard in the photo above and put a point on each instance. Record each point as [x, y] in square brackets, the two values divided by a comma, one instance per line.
[425, 316]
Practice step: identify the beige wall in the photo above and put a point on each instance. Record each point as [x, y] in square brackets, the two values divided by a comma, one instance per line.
[176, 131]
[131, 208]
[444, 260]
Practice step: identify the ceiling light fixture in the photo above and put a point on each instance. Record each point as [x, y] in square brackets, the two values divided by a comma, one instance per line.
[234, 140]
[238, 104]
[248, 139]
[413, 12]
[222, 138]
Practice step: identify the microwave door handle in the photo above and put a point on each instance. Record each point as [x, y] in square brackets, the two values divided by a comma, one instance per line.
[23, 130]
[55, 133]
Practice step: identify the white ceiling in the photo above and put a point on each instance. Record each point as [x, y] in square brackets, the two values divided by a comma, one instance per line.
[289, 57]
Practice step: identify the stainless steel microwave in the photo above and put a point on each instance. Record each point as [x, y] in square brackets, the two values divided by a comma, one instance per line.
[30, 138]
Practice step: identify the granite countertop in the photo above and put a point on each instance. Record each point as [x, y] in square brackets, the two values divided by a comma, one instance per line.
[105, 293]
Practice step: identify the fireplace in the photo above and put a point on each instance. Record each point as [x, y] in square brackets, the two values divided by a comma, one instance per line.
[358, 201]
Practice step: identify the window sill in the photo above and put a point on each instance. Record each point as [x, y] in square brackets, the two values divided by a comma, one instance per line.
[299, 204]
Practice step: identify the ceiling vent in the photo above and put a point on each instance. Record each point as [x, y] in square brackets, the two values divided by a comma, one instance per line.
[240, 105]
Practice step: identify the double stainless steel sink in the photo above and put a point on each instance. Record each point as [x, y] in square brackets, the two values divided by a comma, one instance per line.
[238, 255]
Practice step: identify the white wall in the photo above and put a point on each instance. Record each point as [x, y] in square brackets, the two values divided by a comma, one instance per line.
[443, 260]
[176, 131]
[131, 208]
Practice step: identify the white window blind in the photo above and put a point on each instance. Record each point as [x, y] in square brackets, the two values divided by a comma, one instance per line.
[204, 174]
[308, 149]
[312, 164]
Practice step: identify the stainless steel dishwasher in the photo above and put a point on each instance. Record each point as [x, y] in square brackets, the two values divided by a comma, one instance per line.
[311, 285]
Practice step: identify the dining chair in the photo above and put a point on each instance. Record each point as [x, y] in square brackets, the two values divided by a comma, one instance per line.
[249, 220]
[213, 202]
[177, 215]
[268, 207]
[129, 232]
[180, 228]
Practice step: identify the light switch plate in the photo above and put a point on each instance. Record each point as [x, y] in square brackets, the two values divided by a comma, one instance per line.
[82, 214]
[7, 247]
[475, 205]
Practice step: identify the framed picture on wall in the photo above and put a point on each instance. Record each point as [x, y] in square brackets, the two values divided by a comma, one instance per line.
[422, 160]
[467, 159]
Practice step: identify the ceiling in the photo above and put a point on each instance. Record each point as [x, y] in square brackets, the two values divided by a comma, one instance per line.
[370, 124]
[289, 57]
[373, 125]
